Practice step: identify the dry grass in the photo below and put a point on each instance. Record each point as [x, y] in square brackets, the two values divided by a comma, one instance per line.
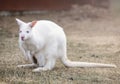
[91, 40]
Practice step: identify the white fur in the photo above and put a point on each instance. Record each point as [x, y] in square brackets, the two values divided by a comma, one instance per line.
[46, 41]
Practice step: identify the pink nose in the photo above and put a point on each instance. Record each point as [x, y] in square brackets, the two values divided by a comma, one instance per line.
[22, 38]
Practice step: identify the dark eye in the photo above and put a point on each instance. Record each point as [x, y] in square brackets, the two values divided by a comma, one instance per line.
[27, 31]
[20, 31]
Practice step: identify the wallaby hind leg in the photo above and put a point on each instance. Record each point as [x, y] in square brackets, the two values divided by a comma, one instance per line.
[48, 66]
[40, 59]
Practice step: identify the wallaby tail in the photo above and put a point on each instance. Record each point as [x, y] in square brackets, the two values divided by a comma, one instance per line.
[69, 63]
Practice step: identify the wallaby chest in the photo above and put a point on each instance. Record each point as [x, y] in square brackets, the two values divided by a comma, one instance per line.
[30, 47]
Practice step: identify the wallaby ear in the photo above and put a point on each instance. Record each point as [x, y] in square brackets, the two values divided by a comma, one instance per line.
[20, 22]
[31, 24]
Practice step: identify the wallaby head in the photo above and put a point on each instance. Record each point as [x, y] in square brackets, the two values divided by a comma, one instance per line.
[25, 29]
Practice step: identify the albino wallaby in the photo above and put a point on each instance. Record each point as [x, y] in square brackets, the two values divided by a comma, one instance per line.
[42, 42]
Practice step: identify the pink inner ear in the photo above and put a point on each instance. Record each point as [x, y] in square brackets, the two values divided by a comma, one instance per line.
[33, 23]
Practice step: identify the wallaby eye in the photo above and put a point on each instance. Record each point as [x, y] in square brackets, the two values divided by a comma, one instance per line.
[20, 31]
[27, 31]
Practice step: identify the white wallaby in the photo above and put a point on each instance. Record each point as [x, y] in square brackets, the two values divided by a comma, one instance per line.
[42, 42]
